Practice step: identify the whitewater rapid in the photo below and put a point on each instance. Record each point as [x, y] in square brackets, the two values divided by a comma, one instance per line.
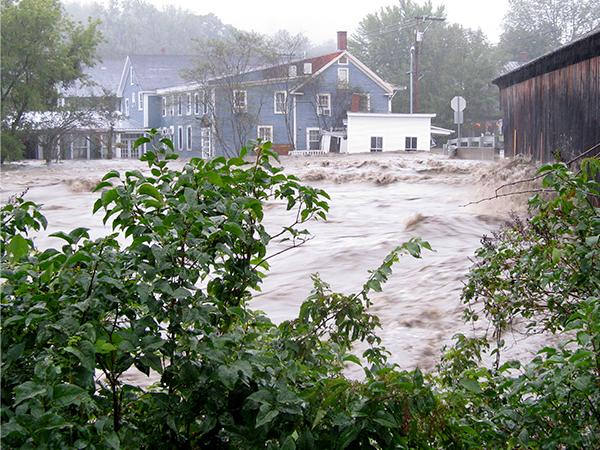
[378, 201]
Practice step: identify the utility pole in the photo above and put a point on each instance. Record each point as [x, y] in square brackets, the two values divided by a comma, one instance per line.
[414, 61]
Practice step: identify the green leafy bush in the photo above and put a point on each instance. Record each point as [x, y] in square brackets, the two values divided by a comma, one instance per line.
[174, 301]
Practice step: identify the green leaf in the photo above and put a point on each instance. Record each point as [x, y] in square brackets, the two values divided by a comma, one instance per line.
[148, 189]
[288, 444]
[265, 417]
[28, 390]
[18, 247]
[471, 385]
[68, 394]
[213, 177]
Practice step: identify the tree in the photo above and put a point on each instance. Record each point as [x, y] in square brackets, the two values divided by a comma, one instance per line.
[136, 27]
[534, 27]
[223, 70]
[452, 60]
[42, 50]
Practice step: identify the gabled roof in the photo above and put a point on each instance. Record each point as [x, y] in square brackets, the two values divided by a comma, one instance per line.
[280, 72]
[155, 71]
[103, 77]
[324, 62]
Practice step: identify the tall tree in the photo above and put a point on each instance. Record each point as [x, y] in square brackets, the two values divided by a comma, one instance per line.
[224, 65]
[138, 27]
[534, 27]
[452, 60]
[42, 50]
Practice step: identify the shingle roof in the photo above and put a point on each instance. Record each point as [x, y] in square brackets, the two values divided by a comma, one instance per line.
[159, 71]
[105, 75]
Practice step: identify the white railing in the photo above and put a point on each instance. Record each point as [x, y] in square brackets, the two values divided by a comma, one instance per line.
[307, 152]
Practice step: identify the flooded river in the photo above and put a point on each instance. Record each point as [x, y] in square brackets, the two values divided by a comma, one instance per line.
[378, 201]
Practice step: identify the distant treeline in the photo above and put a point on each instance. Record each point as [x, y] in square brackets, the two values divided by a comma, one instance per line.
[137, 27]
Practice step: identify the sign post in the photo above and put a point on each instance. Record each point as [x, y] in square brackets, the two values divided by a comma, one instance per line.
[458, 104]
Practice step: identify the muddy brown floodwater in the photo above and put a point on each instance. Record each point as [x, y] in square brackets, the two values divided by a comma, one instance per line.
[378, 201]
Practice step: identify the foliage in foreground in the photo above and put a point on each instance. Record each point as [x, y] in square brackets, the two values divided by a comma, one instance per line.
[174, 301]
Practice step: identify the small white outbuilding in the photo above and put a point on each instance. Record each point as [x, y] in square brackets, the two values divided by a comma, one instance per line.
[388, 132]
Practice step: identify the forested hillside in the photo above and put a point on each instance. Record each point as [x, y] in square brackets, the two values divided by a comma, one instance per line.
[137, 27]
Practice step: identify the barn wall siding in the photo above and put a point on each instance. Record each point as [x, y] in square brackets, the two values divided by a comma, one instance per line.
[554, 114]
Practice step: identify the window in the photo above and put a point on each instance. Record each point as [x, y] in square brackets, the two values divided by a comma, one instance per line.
[410, 143]
[171, 106]
[189, 138]
[293, 71]
[240, 102]
[179, 106]
[61, 102]
[180, 138]
[343, 77]
[140, 101]
[164, 106]
[189, 104]
[196, 103]
[280, 101]
[313, 138]
[343, 61]
[205, 142]
[131, 75]
[364, 102]
[133, 99]
[323, 104]
[126, 106]
[376, 144]
[307, 68]
[265, 133]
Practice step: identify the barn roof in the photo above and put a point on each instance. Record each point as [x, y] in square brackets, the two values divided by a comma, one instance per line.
[584, 48]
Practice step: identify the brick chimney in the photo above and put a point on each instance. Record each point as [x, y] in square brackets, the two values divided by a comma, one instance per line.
[342, 40]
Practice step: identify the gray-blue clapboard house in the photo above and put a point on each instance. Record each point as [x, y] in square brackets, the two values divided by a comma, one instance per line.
[142, 76]
[293, 105]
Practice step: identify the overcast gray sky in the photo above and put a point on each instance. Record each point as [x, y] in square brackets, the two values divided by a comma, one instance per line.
[320, 20]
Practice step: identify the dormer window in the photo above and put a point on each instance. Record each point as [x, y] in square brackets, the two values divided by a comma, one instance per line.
[343, 61]
[293, 71]
[307, 68]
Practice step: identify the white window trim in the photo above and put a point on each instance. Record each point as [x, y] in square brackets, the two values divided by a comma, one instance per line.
[343, 61]
[164, 106]
[180, 138]
[172, 106]
[133, 100]
[131, 75]
[140, 101]
[189, 135]
[275, 103]
[240, 109]
[308, 69]
[179, 106]
[308, 141]
[189, 104]
[265, 127]
[322, 111]
[342, 70]
[126, 107]
[196, 103]
[411, 141]
[293, 71]
[378, 147]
